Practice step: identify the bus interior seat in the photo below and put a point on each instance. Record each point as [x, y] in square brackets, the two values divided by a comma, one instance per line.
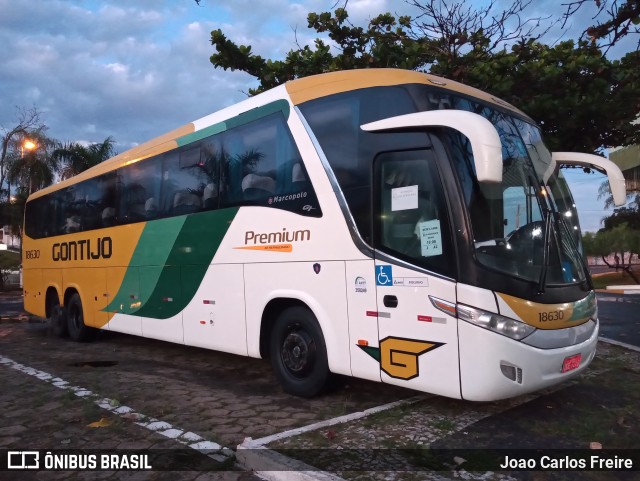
[72, 224]
[151, 208]
[299, 181]
[257, 187]
[108, 217]
[210, 197]
[136, 212]
[186, 203]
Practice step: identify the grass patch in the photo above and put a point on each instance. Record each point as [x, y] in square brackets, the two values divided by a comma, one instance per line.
[444, 424]
[601, 281]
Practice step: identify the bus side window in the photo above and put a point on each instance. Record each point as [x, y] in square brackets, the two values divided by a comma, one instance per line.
[72, 207]
[140, 182]
[264, 167]
[411, 220]
[212, 155]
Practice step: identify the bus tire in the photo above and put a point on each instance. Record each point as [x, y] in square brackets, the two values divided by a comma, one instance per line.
[78, 330]
[298, 352]
[58, 321]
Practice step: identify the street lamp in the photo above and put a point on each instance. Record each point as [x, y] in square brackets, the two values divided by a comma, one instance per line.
[28, 145]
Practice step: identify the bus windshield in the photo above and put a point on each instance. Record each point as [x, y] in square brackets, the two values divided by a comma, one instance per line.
[520, 230]
[515, 224]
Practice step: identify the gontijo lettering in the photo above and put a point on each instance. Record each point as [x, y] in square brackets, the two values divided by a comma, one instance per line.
[85, 249]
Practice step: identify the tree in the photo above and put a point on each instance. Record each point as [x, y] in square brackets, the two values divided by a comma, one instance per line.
[622, 19]
[629, 214]
[620, 240]
[75, 158]
[582, 100]
[441, 32]
[34, 169]
[29, 124]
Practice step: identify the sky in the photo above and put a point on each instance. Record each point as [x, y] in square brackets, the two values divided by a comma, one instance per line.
[133, 70]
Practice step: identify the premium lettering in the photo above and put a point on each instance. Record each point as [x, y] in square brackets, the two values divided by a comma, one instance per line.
[85, 249]
[255, 238]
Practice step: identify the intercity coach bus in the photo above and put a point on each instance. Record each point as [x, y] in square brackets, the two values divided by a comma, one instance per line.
[384, 224]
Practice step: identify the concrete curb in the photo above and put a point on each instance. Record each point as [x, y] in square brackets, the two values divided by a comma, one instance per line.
[618, 343]
[273, 466]
[253, 455]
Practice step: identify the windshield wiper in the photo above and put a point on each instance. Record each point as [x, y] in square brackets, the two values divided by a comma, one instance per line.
[545, 251]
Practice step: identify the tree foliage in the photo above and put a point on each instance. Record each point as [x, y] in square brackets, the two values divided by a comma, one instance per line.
[621, 240]
[622, 18]
[582, 100]
[24, 171]
[75, 157]
[34, 169]
[28, 125]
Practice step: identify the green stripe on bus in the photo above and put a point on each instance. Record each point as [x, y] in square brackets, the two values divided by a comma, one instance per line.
[244, 118]
[153, 249]
[175, 283]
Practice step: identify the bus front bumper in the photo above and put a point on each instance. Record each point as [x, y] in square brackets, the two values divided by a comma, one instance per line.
[494, 367]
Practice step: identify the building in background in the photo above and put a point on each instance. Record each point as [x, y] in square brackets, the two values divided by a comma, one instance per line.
[9, 238]
[628, 159]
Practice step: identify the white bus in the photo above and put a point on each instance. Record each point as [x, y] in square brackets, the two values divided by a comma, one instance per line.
[384, 224]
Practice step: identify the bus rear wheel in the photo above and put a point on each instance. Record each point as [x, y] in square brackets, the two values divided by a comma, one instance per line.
[58, 321]
[78, 330]
[298, 352]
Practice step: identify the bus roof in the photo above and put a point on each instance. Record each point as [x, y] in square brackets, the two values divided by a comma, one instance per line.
[299, 91]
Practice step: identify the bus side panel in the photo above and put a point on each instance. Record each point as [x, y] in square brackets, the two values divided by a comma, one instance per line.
[125, 319]
[54, 279]
[34, 296]
[163, 282]
[363, 328]
[321, 288]
[418, 342]
[91, 284]
[215, 317]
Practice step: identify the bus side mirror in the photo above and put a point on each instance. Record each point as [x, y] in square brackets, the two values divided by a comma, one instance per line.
[484, 138]
[605, 166]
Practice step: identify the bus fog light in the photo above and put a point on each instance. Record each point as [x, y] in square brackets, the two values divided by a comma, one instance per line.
[494, 322]
[514, 373]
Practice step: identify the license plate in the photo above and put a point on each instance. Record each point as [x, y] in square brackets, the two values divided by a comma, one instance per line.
[572, 362]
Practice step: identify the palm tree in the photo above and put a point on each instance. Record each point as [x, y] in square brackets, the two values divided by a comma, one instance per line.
[76, 158]
[34, 169]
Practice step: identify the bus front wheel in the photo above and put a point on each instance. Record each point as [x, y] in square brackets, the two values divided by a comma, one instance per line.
[298, 352]
[78, 331]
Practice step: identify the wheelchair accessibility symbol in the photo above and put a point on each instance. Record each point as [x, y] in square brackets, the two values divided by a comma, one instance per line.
[384, 276]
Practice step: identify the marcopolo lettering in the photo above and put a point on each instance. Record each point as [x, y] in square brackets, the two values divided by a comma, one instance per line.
[251, 237]
[283, 198]
[85, 249]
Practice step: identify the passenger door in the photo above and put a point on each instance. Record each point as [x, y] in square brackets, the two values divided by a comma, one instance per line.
[414, 269]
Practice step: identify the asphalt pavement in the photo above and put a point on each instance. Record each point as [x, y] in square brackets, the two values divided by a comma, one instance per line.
[619, 316]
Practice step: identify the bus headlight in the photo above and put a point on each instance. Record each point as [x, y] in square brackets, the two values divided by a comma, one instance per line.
[494, 322]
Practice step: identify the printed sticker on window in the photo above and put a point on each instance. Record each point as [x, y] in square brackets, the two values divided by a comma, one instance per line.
[430, 238]
[404, 198]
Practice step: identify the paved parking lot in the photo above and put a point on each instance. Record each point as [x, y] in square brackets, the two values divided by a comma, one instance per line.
[123, 392]
[54, 388]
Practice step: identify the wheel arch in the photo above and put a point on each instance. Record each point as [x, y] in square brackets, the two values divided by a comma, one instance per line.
[269, 315]
[52, 297]
[337, 346]
[70, 291]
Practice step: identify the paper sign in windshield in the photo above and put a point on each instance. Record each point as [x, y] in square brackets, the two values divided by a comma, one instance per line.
[430, 238]
[404, 198]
